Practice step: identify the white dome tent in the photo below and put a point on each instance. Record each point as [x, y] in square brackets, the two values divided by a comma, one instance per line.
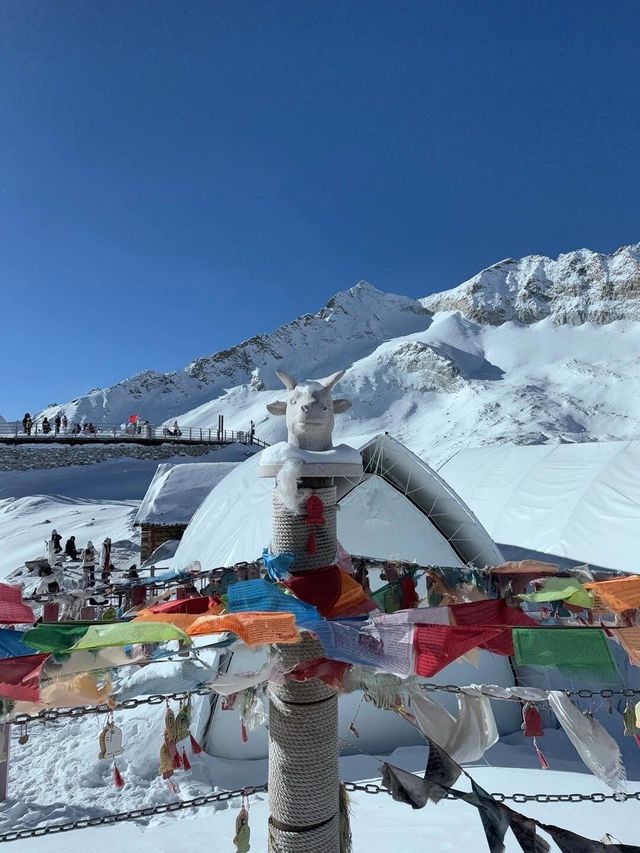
[400, 508]
[576, 502]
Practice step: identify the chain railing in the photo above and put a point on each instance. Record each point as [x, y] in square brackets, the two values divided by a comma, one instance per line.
[223, 796]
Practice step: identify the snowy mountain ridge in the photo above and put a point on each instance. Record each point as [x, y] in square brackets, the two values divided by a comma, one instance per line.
[525, 352]
[350, 325]
[578, 287]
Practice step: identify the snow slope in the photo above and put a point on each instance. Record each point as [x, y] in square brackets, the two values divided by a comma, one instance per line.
[25, 523]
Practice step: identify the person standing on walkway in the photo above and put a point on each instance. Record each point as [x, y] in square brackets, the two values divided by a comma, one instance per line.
[89, 565]
[57, 421]
[27, 423]
[65, 423]
[46, 426]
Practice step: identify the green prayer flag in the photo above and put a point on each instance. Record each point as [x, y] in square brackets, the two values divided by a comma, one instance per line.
[54, 637]
[128, 633]
[573, 649]
[568, 590]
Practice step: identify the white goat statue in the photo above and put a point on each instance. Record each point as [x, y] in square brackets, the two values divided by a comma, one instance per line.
[310, 410]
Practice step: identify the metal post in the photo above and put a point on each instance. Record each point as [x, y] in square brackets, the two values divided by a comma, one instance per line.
[5, 740]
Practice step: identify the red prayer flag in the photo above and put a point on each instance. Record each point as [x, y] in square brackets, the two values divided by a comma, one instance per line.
[20, 677]
[321, 587]
[435, 646]
[13, 611]
[495, 612]
[194, 605]
[133, 419]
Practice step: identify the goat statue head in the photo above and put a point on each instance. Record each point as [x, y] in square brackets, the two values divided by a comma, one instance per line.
[310, 410]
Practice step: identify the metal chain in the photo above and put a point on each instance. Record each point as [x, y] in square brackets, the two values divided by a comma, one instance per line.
[364, 787]
[133, 814]
[49, 714]
[584, 693]
[374, 788]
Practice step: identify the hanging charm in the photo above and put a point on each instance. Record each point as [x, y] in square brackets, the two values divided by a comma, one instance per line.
[110, 747]
[24, 735]
[315, 509]
[242, 838]
[532, 727]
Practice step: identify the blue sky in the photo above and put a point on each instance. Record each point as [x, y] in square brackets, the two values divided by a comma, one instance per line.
[177, 176]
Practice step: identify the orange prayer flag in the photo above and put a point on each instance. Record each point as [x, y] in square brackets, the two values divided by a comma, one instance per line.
[253, 628]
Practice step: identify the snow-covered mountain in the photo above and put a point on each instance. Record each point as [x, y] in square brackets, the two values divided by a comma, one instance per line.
[350, 325]
[526, 351]
[578, 287]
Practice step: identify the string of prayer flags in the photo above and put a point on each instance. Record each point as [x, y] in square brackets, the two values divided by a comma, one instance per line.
[11, 645]
[569, 590]
[576, 650]
[617, 595]
[20, 677]
[13, 611]
[436, 646]
[259, 596]
[128, 634]
[254, 629]
[442, 772]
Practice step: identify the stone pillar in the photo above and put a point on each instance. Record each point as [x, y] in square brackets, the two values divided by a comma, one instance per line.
[303, 717]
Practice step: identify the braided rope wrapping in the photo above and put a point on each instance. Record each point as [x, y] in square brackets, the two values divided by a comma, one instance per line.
[291, 532]
[304, 782]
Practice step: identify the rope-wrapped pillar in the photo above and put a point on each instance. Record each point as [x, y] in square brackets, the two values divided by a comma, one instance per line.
[303, 716]
[304, 787]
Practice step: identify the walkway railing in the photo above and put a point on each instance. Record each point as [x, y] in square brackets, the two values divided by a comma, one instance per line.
[134, 433]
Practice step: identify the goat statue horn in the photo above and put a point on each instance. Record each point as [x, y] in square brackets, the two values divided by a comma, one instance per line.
[330, 381]
[288, 381]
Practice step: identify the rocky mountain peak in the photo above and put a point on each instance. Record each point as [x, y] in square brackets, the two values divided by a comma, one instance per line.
[574, 288]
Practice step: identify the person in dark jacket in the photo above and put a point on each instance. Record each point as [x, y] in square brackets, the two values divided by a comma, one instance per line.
[57, 421]
[46, 426]
[70, 548]
[27, 423]
[56, 539]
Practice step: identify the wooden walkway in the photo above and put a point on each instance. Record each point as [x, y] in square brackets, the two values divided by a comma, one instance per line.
[148, 435]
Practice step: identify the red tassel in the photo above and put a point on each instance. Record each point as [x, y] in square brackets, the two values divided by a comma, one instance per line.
[243, 732]
[185, 761]
[196, 749]
[118, 781]
[637, 739]
[311, 544]
[177, 763]
[543, 761]
[171, 787]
